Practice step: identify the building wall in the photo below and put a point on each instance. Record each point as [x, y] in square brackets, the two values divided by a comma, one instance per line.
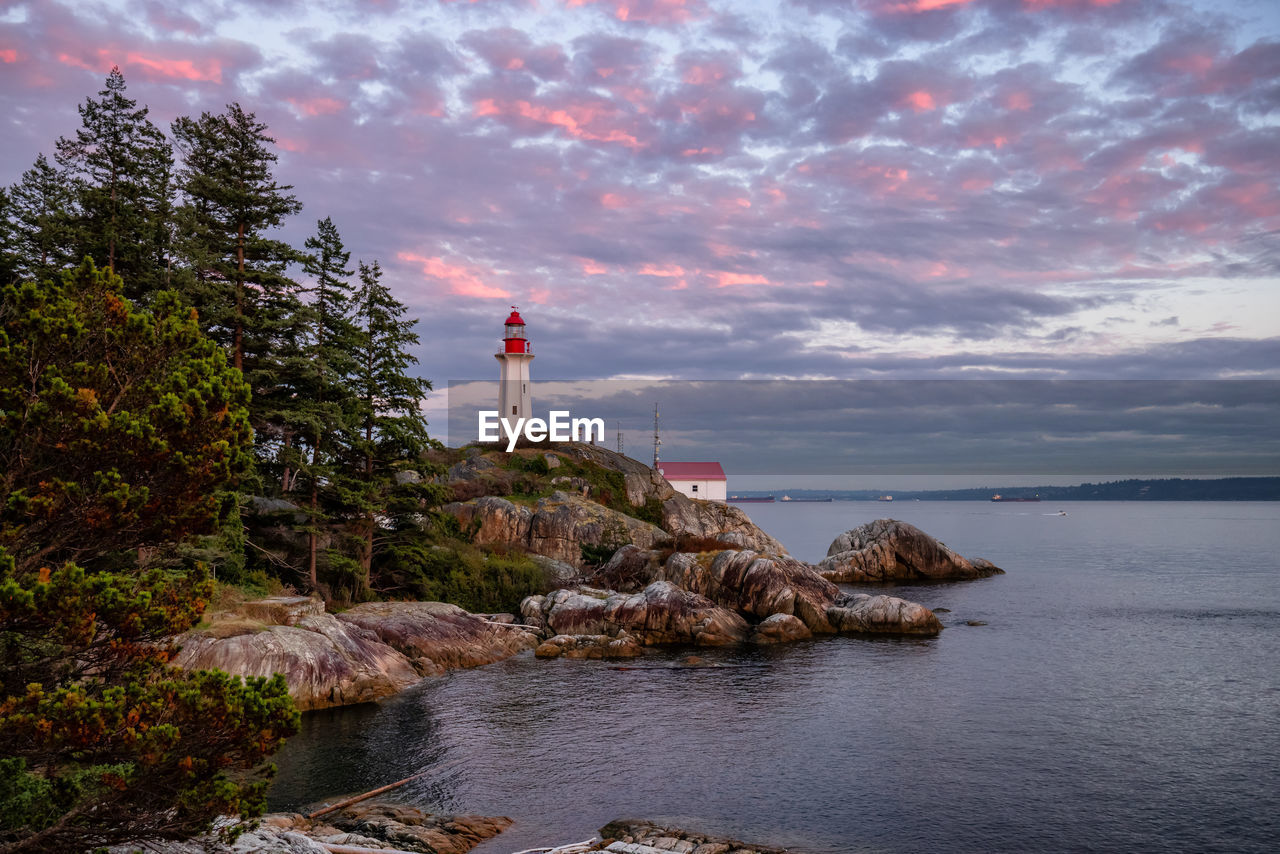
[708, 490]
[513, 386]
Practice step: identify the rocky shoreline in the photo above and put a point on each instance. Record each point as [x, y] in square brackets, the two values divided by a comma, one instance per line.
[393, 828]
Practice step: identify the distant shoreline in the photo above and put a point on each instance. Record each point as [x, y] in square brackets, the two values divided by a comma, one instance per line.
[1161, 489]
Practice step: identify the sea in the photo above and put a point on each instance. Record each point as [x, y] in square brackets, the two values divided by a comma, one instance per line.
[1121, 694]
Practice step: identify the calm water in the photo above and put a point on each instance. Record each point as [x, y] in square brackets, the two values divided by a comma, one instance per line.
[1124, 696]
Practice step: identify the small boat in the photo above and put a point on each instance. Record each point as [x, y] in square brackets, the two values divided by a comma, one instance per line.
[885, 498]
[1000, 498]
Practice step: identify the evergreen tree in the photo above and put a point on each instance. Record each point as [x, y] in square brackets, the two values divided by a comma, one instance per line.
[331, 342]
[8, 257]
[392, 430]
[42, 217]
[117, 429]
[121, 165]
[231, 201]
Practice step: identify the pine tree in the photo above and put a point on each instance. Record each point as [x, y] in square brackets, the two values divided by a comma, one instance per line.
[392, 429]
[121, 165]
[231, 201]
[8, 257]
[42, 214]
[118, 427]
[331, 342]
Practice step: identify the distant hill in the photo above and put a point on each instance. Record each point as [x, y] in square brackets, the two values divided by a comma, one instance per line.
[1165, 489]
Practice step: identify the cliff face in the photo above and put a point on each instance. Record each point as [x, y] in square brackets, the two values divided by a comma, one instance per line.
[371, 651]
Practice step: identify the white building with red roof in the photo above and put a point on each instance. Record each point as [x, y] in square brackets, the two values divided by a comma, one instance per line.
[696, 480]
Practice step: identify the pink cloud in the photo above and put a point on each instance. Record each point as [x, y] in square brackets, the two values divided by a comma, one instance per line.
[591, 268]
[461, 280]
[582, 121]
[322, 106]
[649, 11]
[920, 101]
[8, 54]
[914, 7]
[724, 279]
[665, 271]
[152, 67]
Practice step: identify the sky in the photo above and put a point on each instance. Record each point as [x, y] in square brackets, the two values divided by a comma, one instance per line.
[714, 190]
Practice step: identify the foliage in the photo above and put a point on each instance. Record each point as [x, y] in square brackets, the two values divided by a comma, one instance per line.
[121, 169]
[117, 426]
[465, 575]
[118, 429]
[42, 212]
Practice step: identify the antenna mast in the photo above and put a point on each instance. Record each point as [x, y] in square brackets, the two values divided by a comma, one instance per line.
[619, 437]
[656, 441]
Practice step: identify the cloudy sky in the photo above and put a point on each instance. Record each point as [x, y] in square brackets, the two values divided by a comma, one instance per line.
[722, 189]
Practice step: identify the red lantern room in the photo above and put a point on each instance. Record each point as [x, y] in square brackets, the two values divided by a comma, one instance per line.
[515, 340]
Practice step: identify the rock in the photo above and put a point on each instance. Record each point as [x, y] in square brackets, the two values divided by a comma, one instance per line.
[553, 462]
[370, 824]
[975, 622]
[889, 550]
[407, 476]
[781, 628]
[437, 636]
[716, 520]
[556, 570]
[281, 610]
[661, 613]
[752, 584]
[557, 527]
[372, 651]
[629, 836]
[324, 661]
[860, 613]
[589, 646]
[471, 468]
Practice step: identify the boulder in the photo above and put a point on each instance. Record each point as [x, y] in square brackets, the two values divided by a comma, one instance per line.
[324, 661]
[557, 527]
[860, 613]
[437, 636]
[716, 520]
[660, 613]
[889, 550]
[629, 836]
[372, 651]
[589, 646]
[781, 628]
[749, 583]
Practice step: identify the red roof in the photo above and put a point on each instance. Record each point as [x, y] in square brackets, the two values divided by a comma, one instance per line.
[515, 319]
[691, 471]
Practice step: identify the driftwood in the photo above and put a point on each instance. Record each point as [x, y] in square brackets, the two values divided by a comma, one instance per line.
[358, 798]
[572, 848]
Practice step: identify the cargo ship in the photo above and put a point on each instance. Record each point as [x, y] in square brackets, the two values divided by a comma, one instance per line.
[751, 499]
[806, 500]
[1032, 500]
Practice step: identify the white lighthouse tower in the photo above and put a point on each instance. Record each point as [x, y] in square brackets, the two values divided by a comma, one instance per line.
[513, 381]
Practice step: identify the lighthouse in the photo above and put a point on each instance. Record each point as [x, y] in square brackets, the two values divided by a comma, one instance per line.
[513, 380]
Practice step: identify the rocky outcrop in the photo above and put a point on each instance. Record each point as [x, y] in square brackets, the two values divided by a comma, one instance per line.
[889, 550]
[661, 613]
[557, 527]
[642, 837]
[437, 636]
[860, 613]
[372, 651]
[715, 520]
[369, 826]
[589, 646]
[751, 584]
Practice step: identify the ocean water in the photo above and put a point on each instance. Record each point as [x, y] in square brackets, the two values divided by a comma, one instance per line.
[1123, 696]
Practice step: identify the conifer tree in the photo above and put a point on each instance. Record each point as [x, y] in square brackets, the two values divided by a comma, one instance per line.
[42, 216]
[117, 429]
[8, 257]
[331, 342]
[231, 202]
[120, 165]
[392, 429]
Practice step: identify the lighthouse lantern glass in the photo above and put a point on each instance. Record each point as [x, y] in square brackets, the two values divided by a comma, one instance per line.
[515, 330]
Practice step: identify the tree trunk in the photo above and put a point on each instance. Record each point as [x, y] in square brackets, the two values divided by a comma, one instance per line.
[239, 333]
[313, 535]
